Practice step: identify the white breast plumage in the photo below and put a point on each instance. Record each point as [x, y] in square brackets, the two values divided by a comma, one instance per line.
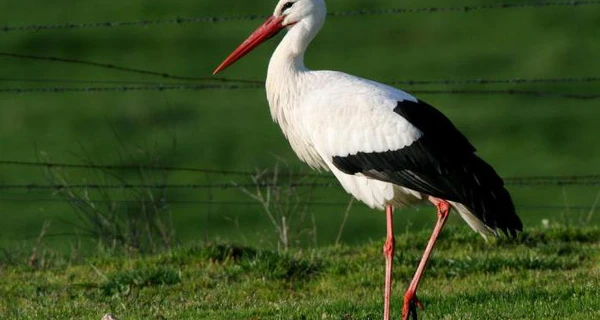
[335, 114]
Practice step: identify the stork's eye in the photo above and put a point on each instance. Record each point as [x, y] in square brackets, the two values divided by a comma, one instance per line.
[286, 6]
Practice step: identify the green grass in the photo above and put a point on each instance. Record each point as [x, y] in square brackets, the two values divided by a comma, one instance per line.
[545, 274]
[551, 274]
[520, 136]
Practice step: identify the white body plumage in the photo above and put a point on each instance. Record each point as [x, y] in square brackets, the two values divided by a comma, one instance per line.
[327, 113]
[384, 146]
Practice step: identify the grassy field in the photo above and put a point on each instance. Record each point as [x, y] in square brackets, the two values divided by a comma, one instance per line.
[214, 252]
[550, 273]
[232, 130]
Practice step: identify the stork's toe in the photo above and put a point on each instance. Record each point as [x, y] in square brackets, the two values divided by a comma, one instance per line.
[409, 309]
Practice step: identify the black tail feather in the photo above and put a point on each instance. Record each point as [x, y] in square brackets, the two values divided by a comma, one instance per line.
[482, 191]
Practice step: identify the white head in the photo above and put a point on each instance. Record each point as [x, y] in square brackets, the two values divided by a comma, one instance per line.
[288, 14]
[294, 11]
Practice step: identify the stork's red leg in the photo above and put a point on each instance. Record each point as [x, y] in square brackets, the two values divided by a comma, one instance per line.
[388, 253]
[410, 297]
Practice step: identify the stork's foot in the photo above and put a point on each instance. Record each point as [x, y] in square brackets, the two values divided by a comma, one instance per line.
[411, 302]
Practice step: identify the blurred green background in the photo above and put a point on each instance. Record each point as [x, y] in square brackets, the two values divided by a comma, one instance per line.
[232, 129]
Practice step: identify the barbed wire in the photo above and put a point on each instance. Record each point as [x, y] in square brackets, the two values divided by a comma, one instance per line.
[521, 182]
[125, 186]
[510, 92]
[83, 81]
[550, 178]
[555, 183]
[477, 81]
[484, 81]
[465, 8]
[251, 17]
[249, 84]
[51, 165]
[204, 87]
[166, 202]
[111, 66]
[126, 89]
[256, 203]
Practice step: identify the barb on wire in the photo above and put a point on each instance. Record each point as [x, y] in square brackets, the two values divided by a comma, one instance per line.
[251, 17]
[203, 87]
[163, 75]
[447, 82]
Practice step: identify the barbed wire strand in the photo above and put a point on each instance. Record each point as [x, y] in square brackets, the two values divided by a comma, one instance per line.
[250, 203]
[483, 81]
[33, 186]
[251, 17]
[477, 81]
[111, 66]
[84, 81]
[249, 84]
[222, 186]
[127, 89]
[51, 165]
[510, 92]
[465, 8]
[162, 201]
[545, 178]
[204, 87]
[253, 83]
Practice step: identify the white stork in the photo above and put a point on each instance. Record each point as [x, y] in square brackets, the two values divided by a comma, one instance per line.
[386, 147]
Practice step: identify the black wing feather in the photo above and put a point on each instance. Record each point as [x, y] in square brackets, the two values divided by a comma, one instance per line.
[442, 163]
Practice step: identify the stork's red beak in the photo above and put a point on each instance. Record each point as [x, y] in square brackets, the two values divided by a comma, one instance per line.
[266, 31]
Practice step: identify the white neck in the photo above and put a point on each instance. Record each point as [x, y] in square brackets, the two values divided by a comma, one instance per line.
[286, 68]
